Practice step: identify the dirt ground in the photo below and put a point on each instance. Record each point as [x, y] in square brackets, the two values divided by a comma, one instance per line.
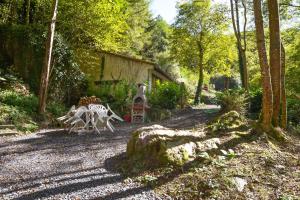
[52, 164]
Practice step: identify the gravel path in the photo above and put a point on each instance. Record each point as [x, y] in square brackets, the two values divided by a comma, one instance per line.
[56, 165]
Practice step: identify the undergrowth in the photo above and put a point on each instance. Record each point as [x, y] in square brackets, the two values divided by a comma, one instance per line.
[21, 110]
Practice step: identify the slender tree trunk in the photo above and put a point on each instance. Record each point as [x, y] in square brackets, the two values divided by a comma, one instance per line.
[267, 101]
[275, 58]
[241, 50]
[13, 11]
[283, 92]
[245, 70]
[27, 16]
[226, 82]
[197, 99]
[199, 86]
[47, 61]
[241, 66]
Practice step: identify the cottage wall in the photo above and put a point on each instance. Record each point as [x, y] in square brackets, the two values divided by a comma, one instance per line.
[119, 68]
[100, 66]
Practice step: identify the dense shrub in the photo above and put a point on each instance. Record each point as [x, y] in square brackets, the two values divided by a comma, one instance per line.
[255, 101]
[167, 95]
[119, 96]
[21, 110]
[28, 103]
[23, 48]
[232, 100]
[293, 108]
[56, 109]
[15, 115]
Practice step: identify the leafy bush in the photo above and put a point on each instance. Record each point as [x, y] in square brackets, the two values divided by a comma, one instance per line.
[67, 82]
[119, 96]
[255, 101]
[28, 103]
[293, 108]
[15, 115]
[232, 100]
[56, 109]
[167, 95]
[22, 110]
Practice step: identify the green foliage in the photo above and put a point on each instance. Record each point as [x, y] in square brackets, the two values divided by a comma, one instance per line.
[255, 101]
[28, 104]
[293, 108]
[293, 62]
[138, 22]
[227, 121]
[67, 82]
[148, 180]
[232, 100]
[166, 95]
[21, 110]
[56, 109]
[15, 115]
[157, 48]
[101, 24]
[119, 96]
[18, 109]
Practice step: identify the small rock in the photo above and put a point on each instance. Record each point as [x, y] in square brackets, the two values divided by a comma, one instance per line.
[240, 183]
[279, 166]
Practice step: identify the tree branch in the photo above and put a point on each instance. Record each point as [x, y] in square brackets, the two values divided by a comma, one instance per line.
[289, 5]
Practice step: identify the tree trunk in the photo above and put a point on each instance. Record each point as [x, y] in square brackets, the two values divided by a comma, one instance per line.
[275, 63]
[13, 11]
[241, 50]
[197, 99]
[245, 70]
[47, 61]
[267, 101]
[226, 82]
[27, 16]
[283, 92]
[199, 86]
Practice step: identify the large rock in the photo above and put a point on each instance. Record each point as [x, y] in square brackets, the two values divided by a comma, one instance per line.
[228, 121]
[157, 145]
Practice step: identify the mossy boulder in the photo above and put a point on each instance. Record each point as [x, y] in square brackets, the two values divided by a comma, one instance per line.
[228, 121]
[156, 145]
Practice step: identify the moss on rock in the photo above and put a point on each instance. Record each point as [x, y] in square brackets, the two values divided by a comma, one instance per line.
[227, 121]
[156, 145]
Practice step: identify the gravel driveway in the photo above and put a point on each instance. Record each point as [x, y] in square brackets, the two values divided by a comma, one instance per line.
[56, 165]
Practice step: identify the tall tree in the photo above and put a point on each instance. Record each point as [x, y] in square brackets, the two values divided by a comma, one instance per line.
[139, 18]
[267, 100]
[47, 61]
[197, 24]
[275, 57]
[241, 39]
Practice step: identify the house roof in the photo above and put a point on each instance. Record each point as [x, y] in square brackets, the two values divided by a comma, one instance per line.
[162, 72]
[128, 57]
